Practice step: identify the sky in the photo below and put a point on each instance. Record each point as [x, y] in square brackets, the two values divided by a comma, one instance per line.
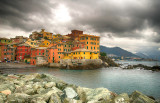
[133, 25]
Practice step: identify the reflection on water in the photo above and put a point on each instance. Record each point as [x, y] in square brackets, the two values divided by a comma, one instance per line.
[116, 80]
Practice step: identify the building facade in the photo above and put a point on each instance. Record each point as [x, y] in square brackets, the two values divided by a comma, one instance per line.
[22, 51]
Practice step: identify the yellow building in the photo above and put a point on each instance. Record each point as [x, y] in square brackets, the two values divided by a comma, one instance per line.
[44, 43]
[32, 43]
[91, 42]
[46, 35]
[57, 36]
[81, 54]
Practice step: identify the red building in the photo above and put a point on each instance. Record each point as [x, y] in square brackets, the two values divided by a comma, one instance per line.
[40, 51]
[22, 50]
[75, 33]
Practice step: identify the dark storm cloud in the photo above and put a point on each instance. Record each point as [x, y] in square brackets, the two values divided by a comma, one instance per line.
[114, 18]
[122, 20]
[18, 13]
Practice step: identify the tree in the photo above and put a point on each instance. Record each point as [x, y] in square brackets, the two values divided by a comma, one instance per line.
[103, 54]
[45, 38]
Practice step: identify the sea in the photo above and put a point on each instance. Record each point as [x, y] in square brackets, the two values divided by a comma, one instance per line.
[114, 78]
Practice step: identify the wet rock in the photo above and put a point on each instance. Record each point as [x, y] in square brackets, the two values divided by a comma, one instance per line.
[70, 93]
[98, 94]
[18, 98]
[27, 89]
[69, 100]
[122, 98]
[55, 98]
[138, 97]
[50, 84]
[61, 85]
[81, 93]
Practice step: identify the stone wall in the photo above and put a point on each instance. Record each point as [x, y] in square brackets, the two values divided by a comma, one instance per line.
[65, 62]
[41, 60]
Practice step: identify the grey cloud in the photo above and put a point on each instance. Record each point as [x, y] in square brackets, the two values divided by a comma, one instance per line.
[101, 16]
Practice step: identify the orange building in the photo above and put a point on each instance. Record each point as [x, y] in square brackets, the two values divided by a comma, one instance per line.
[91, 42]
[52, 55]
[60, 48]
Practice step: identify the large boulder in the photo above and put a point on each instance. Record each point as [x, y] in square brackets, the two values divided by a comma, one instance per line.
[98, 94]
[18, 98]
[138, 97]
[55, 98]
[122, 98]
[70, 93]
[81, 93]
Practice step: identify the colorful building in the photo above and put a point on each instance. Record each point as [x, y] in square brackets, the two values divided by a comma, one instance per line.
[36, 35]
[33, 43]
[53, 55]
[91, 42]
[57, 36]
[22, 51]
[44, 43]
[75, 34]
[5, 41]
[39, 51]
[7, 53]
[19, 39]
[81, 54]
[46, 35]
[77, 45]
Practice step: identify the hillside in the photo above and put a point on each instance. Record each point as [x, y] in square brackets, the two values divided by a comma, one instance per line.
[117, 51]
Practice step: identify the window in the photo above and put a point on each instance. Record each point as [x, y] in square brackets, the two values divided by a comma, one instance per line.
[87, 47]
[65, 45]
[94, 48]
[91, 47]
[87, 42]
[84, 52]
[39, 53]
[77, 45]
[25, 49]
[86, 38]
[21, 49]
[53, 53]
[90, 53]
[59, 56]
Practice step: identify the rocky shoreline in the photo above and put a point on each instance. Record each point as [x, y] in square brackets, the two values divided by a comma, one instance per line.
[143, 67]
[44, 88]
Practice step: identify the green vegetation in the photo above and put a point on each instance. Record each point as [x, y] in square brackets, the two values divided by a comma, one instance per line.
[103, 54]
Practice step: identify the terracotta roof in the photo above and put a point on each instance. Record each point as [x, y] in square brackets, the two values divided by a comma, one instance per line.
[89, 35]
